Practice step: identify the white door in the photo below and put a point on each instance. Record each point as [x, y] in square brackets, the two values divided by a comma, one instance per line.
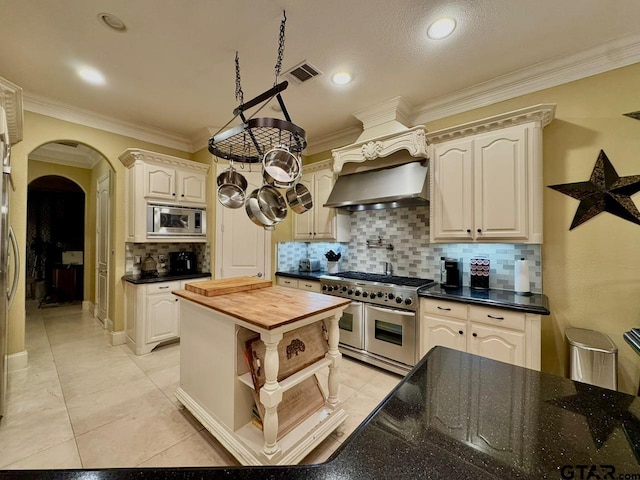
[102, 248]
[324, 225]
[242, 247]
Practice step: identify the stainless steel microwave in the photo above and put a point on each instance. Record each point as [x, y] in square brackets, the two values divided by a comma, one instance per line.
[175, 221]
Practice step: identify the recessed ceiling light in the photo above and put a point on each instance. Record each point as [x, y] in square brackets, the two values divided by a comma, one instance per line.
[111, 21]
[341, 78]
[91, 75]
[441, 28]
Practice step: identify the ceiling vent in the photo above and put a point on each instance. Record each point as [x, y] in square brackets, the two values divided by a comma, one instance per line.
[68, 144]
[303, 72]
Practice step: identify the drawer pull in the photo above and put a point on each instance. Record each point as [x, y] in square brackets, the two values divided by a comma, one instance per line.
[442, 308]
[307, 285]
[495, 318]
[474, 334]
[162, 288]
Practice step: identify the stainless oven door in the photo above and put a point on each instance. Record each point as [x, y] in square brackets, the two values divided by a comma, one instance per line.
[390, 333]
[351, 326]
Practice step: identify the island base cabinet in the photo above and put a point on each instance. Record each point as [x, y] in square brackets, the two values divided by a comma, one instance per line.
[216, 386]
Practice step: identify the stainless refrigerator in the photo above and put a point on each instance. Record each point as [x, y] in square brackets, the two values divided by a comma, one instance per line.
[7, 240]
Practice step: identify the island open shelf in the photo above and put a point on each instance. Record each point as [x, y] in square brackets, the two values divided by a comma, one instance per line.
[216, 385]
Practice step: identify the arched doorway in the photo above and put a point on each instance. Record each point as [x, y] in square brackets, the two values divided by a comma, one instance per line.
[55, 240]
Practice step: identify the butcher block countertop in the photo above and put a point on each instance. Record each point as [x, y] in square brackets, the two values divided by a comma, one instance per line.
[270, 307]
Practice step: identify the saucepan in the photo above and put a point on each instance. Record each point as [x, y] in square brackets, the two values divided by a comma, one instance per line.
[281, 167]
[231, 188]
[299, 198]
[266, 207]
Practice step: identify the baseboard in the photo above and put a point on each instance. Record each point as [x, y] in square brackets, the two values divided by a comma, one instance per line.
[118, 338]
[88, 306]
[17, 361]
[108, 324]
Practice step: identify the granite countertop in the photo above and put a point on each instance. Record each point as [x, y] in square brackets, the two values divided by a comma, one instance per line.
[457, 415]
[303, 275]
[164, 277]
[534, 303]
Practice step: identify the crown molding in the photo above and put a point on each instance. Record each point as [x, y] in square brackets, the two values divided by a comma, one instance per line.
[609, 56]
[45, 106]
[132, 155]
[11, 100]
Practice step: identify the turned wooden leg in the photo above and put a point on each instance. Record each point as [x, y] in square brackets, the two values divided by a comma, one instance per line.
[270, 393]
[336, 356]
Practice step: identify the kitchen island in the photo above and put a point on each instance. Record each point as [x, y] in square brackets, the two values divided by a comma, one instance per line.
[219, 369]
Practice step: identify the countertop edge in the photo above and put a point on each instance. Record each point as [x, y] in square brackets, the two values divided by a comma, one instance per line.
[137, 280]
[302, 275]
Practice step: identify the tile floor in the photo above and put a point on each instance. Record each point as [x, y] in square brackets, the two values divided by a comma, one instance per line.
[82, 403]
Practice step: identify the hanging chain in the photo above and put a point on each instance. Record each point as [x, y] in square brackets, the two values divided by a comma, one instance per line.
[278, 67]
[239, 92]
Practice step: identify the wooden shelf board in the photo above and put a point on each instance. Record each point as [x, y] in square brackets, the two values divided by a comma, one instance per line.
[294, 379]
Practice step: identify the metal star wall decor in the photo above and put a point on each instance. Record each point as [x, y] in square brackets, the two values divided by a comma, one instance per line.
[605, 191]
[635, 115]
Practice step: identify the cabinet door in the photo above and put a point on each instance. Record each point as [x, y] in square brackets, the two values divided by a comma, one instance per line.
[303, 222]
[497, 343]
[192, 187]
[161, 317]
[325, 226]
[500, 184]
[443, 332]
[159, 182]
[453, 191]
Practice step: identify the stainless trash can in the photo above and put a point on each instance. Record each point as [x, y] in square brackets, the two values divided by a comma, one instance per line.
[593, 358]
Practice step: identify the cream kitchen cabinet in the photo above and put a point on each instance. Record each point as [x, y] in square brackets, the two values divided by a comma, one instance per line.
[500, 334]
[158, 178]
[302, 284]
[320, 223]
[487, 187]
[152, 314]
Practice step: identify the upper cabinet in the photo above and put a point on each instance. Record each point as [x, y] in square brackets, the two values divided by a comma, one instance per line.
[320, 223]
[162, 179]
[11, 102]
[487, 179]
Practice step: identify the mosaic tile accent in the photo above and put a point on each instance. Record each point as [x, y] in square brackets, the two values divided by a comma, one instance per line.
[407, 229]
[202, 251]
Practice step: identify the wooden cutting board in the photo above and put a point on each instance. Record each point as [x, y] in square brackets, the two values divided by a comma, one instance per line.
[213, 288]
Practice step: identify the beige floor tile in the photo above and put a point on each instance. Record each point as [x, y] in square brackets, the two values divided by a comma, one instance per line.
[129, 441]
[322, 452]
[355, 374]
[358, 407]
[160, 358]
[167, 380]
[62, 456]
[380, 385]
[69, 364]
[195, 451]
[344, 391]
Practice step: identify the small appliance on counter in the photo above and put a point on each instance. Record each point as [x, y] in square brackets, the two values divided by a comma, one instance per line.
[182, 262]
[479, 273]
[149, 267]
[452, 273]
[308, 265]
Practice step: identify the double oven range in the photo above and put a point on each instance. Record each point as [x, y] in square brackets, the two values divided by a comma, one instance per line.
[380, 326]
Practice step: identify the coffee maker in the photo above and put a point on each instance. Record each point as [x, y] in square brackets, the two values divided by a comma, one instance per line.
[182, 262]
[452, 277]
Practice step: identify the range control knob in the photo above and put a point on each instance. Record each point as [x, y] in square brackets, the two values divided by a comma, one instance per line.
[408, 301]
[330, 288]
[365, 294]
[324, 287]
[398, 299]
[344, 289]
[390, 296]
[350, 292]
[379, 294]
[358, 293]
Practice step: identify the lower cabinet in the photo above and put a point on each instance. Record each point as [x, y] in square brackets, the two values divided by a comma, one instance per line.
[302, 284]
[500, 334]
[151, 314]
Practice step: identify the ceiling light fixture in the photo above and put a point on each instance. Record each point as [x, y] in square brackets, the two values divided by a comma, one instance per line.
[112, 22]
[91, 75]
[441, 28]
[341, 78]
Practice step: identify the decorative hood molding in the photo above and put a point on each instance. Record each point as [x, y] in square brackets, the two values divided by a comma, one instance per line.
[11, 101]
[385, 132]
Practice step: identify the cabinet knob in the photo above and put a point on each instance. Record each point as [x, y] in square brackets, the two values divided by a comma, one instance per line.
[176, 299]
[479, 230]
[474, 334]
[173, 194]
[460, 332]
[468, 230]
[182, 195]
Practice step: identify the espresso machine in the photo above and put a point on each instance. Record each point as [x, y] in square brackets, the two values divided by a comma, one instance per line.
[451, 274]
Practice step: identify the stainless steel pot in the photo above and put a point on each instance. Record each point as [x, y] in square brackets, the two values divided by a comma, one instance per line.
[231, 188]
[299, 198]
[266, 207]
[281, 168]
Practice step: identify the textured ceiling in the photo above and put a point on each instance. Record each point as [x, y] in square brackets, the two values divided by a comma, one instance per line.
[173, 69]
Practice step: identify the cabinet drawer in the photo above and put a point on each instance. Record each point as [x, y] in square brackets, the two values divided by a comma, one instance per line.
[497, 317]
[287, 282]
[162, 287]
[309, 285]
[444, 308]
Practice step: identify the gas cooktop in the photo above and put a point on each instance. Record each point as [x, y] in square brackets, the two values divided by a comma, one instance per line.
[380, 278]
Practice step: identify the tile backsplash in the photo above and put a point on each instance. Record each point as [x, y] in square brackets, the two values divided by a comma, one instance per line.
[407, 229]
[202, 251]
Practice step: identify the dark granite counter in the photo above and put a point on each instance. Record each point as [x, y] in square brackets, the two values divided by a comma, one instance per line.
[138, 280]
[457, 415]
[533, 303]
[303, 275]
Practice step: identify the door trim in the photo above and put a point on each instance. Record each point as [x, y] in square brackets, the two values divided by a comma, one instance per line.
[106, 322]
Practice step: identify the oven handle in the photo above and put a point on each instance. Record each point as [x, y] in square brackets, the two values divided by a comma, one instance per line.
[393, 310]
